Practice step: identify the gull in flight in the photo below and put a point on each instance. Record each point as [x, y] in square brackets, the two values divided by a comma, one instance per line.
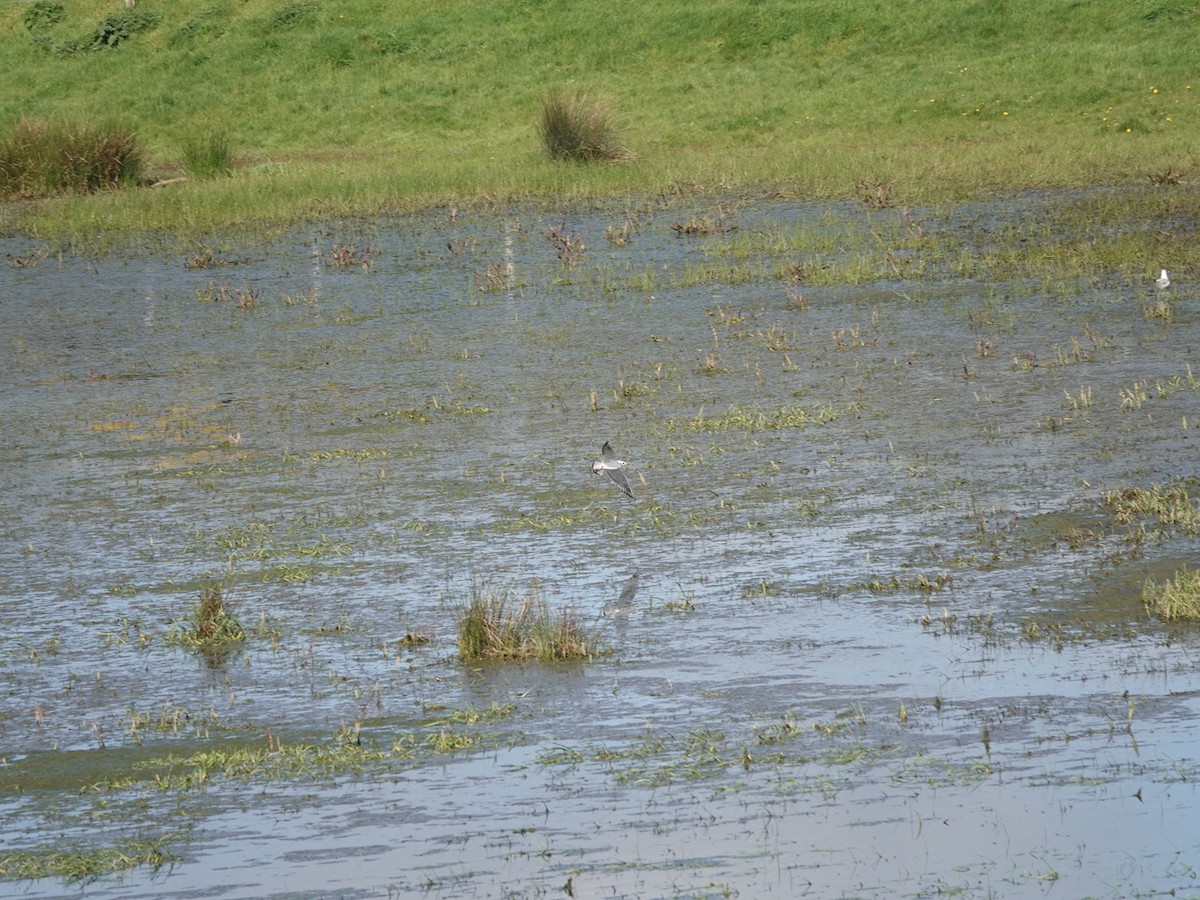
[1163, 280]
[609, 465]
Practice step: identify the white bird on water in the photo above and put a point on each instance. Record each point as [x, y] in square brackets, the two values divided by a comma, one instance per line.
[1163, 281]
[609, 465]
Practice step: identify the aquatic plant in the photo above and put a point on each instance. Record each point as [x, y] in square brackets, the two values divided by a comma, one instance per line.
[752, 419]
[568, 247]
[212, 628]
[579, 127]
[345, 256]
[245, 298]
[702, 226]
[929, 584]
[84, 864]
[39, 157]
[1176, 599]
[498, 626]
[875, 194]
[1171, 505]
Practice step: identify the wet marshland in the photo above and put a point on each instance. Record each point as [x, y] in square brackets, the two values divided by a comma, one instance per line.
[888, 637]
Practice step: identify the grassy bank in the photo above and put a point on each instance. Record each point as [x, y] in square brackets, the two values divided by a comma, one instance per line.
[364, 106]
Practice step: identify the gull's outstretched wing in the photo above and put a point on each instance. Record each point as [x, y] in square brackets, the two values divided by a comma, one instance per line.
[620, 480]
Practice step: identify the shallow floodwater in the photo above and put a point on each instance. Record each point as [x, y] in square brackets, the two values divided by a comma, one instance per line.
[888, 637]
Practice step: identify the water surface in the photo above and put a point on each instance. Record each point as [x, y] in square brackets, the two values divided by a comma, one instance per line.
[889, 639]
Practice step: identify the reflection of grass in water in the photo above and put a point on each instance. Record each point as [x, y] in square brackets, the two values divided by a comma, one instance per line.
[1176, 599]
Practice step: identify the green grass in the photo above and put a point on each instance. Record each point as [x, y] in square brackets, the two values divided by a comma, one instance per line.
[580, 128]
[1176, 599]
[85, 864]
[361, 107]
[500, 626]
[208, 153]
[1169, 506]
[39, 157]
[212, 627]
[753, 419]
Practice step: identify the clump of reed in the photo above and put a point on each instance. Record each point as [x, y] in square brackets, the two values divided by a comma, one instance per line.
[212, 628]
[579, 127]
[1176, 599]
[40, 157]
[503, 626]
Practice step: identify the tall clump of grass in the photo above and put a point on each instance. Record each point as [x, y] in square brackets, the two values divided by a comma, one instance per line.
[1176, 599]
[494, 626]
[576, 126]
[39, 157]
[207, 153]
[213, 628]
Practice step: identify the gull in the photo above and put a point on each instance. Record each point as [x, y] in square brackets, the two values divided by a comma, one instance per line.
[623, 605]
[1163, 280]
[611, 466]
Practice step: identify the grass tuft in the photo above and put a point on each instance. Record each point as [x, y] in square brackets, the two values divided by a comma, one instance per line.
[40, 158]
[578, 127]
[495, 626]
[207, 153]
[213, 628]
[1176, 599]
[1170, 505]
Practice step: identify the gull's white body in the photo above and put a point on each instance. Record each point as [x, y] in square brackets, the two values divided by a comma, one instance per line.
[1163, 280]
[609, 465]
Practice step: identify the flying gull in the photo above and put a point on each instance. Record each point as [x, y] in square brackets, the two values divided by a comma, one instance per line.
[611, 466]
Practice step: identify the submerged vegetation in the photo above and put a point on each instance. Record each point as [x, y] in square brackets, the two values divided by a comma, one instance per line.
[738, 418]
[85, 863]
